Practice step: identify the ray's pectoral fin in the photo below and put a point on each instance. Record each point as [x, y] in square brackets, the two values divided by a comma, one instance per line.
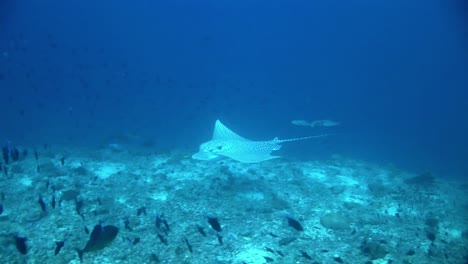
[220, 142]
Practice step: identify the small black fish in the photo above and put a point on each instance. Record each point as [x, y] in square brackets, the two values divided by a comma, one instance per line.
[78, 207]
[268, 259]
[162, 239]
[294, 224]
[158, 221]
[280, 253]
[166, 224]
[305, 255]
[1, 209]
[220, 239]
[141, 210]
[338, 259]
[5, 170]
[101, 237]
[62, 161]
[20, 243]
[42, 204]
[269, 250]
[201, 230]
[53, 202]
[188, 245]
[59, 246]
[86, 230]
[25, 153]
[214, 223]
[14, 154]
[154, 258]
[136, 240]
[127, 225]
[6, 154]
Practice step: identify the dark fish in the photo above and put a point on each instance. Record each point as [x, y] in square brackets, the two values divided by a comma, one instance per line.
[101, 237]
[14, 154]
[202, 232]
[20, 243]
[166, 225]
[220, 239]
[127, 225]
[188, 245]
[78, 207]
[154, 258]
[136, 240]
[42, 204]
[270, 250]
[62, 161]
[338, 259]
[280, 253]
[162, 239]
[1, 209]
[268, 259]
[25, 153]
[160, 222]
[53, 202]
[294, 224]
[305, 255]
[214, 223]
[141, 210]
[6, 154]
[86, 230]
[59, 246]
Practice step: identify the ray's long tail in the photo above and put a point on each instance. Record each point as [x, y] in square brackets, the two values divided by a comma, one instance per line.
[299, 138]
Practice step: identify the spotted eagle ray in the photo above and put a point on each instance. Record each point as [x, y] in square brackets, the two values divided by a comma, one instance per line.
[227, 143]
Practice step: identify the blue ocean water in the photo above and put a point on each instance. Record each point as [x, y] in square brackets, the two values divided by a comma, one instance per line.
[394, 74]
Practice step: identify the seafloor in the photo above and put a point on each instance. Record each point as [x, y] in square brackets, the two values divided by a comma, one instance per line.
[351, 211]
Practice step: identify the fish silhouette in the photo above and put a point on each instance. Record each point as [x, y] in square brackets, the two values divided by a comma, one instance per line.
[101, 237]
[227, 143]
